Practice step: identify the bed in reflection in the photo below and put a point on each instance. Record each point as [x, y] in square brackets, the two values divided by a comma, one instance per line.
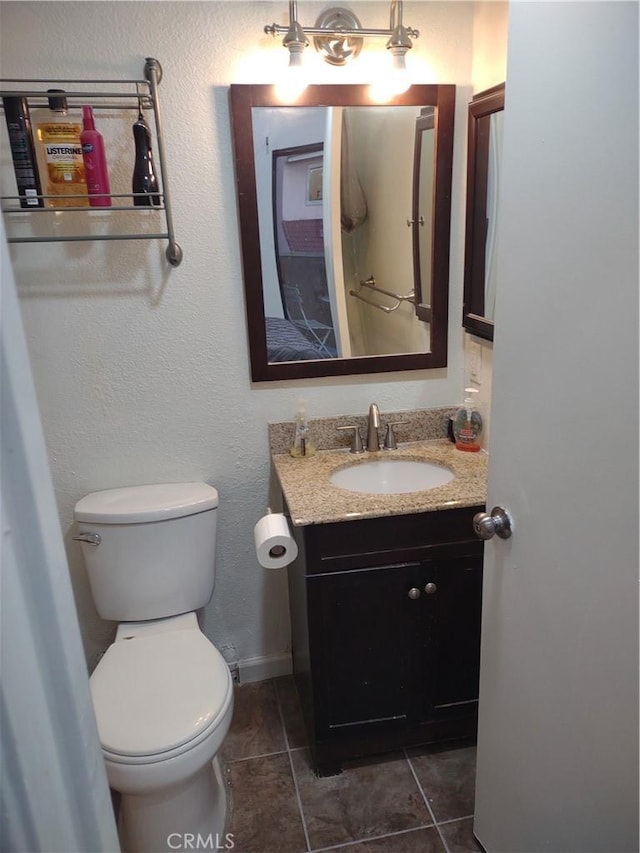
[286, 342]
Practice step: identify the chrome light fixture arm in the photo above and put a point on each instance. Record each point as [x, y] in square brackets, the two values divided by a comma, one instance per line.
[338, 34]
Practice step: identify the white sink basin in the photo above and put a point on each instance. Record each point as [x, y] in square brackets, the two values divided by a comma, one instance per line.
[391, 476]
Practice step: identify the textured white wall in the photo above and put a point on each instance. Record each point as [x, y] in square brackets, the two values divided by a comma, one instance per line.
[141, 371]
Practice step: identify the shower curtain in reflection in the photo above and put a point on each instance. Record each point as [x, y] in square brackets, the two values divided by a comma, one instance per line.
[353, 204]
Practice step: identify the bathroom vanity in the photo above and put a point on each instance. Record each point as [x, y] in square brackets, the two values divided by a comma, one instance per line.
[385, 599]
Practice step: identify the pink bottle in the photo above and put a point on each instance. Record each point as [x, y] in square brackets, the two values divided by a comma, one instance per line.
[95, 162]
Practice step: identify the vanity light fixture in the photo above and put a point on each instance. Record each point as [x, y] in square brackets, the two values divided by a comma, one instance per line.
[338, 36]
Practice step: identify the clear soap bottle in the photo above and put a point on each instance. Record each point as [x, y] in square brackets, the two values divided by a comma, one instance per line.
[301, 443]
[467, 423]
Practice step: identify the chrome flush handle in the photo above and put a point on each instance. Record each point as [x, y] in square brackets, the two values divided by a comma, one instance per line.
[90, 538]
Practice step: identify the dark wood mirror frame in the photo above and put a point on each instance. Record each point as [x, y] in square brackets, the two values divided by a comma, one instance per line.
[483, 105]
[243, 98]
[423, 308]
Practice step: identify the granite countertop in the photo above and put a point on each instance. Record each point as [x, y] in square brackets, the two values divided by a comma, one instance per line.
[312, 499]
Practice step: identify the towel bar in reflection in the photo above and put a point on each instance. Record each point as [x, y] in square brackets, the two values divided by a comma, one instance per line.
[370, 283]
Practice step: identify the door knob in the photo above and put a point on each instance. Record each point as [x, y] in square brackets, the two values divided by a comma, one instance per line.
[497, 524]
[419, 220]
[414, 593]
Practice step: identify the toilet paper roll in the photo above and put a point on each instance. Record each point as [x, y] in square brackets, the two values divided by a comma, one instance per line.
[275, 545]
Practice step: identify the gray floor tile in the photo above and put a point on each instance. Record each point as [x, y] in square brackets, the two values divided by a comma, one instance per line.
[256, 728]
[416, 841]
[263, 813]
[358, 808]
[447, 779]
[459, 836]
[291, 712]
[367, 799]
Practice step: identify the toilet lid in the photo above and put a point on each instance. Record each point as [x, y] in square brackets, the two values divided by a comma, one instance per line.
[155, 693]
[138, 504]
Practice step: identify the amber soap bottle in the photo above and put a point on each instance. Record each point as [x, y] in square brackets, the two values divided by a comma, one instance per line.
[467, 424]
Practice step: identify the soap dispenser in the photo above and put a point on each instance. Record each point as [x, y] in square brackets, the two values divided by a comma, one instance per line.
[467, 423]
[301, 444]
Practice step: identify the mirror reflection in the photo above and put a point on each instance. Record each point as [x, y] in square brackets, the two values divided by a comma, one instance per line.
[335, 188]
[346, 201]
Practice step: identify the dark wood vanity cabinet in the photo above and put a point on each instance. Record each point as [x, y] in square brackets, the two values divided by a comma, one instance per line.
[386, 632]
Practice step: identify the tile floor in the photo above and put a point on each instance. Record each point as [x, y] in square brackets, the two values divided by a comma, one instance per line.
[414, 801]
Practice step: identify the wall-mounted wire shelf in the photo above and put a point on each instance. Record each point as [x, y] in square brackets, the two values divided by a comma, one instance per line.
[137, 95]
[372, 286]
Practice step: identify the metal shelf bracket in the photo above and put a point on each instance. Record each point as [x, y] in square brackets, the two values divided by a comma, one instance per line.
[144, 96]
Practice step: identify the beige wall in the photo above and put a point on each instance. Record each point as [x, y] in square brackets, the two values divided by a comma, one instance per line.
[141, 371]
[490, 23]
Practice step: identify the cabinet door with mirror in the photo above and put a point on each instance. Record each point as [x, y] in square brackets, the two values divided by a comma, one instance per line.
[344, 210]
[486, 112]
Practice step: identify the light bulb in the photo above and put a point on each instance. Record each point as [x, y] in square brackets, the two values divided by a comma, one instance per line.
[395, 81]
[293, 80]
[291, 85]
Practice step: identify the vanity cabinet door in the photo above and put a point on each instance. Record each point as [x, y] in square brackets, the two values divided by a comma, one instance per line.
[363, 624]
[450, 663]
[383, 660]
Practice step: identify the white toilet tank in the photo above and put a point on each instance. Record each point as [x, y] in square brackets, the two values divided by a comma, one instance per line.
[156, 551]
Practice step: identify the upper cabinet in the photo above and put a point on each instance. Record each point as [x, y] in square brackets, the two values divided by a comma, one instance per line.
[486, 112]
[345, 209]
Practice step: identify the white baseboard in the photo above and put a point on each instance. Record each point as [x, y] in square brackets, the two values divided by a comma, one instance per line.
[263, 668]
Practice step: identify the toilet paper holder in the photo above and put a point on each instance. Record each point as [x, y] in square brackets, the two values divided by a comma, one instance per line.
[274, 542]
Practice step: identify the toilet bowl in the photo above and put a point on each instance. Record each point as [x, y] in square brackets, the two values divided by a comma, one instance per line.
[163, 698]
[162, 693]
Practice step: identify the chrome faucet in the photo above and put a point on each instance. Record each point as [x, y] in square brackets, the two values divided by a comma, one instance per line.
[373, 425]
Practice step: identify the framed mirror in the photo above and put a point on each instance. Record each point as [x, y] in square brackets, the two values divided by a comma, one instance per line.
[344, 209]
[486, 112]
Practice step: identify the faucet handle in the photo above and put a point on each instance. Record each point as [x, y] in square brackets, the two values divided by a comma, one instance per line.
[356, 441]
[390, 438]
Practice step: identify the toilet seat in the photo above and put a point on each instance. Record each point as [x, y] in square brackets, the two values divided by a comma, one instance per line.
[156, 696]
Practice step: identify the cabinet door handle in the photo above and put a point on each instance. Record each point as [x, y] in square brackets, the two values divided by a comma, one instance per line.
[430, 588]
[414, 593]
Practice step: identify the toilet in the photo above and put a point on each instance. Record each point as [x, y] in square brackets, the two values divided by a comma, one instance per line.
[162, 693]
